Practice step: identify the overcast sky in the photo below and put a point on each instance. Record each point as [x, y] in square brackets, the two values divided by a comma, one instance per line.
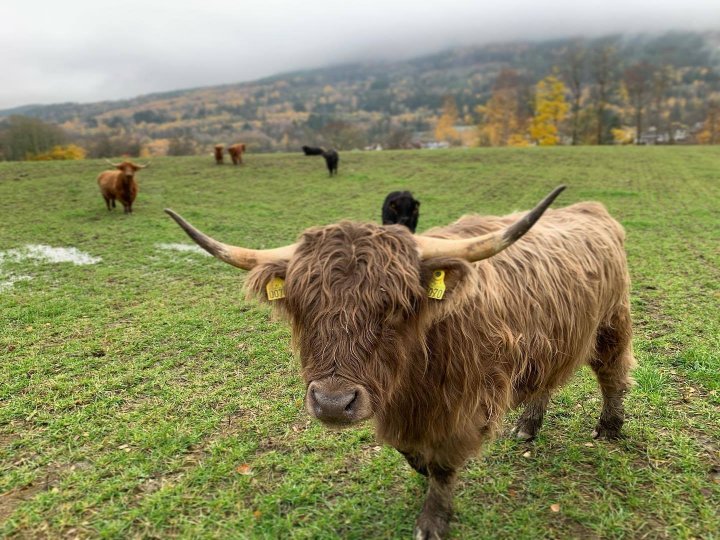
[90, 50]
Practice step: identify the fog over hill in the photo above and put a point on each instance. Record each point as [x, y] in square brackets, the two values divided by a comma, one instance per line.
[87, 51]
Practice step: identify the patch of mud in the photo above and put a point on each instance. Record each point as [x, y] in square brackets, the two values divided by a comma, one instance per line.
[183, 248]
[47, 479]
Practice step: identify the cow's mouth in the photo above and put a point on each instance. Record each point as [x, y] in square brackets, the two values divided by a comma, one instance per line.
[337, 405]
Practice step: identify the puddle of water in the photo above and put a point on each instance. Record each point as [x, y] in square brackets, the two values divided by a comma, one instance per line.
[186, 248]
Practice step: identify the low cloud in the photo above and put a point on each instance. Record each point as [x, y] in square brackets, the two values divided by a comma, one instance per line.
[79, 50]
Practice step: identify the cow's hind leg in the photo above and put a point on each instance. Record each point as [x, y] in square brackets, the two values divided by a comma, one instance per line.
[612, 364]
[531, 418]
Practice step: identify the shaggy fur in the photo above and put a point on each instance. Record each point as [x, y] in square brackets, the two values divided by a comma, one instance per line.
[119, 185]
[401, 207]
[441, 374]
[219, 154]
[236, 152]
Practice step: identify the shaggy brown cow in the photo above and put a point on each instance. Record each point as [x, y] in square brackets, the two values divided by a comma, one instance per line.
[236, 152]
[120, 184]
[437, 336]
[219, 154]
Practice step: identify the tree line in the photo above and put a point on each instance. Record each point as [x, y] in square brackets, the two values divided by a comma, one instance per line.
[590, 99]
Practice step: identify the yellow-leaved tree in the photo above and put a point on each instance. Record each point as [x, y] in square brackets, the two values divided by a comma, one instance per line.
[710, 133]
[502, 118]
[550, 110]
[70, 151]
[444, 129]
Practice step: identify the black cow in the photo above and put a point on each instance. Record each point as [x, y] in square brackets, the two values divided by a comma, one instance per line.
[331, 160]
[400, 207]
[312, 151]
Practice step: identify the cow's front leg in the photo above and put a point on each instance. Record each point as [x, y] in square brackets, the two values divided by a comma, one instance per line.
[416, 462]
[433, 523]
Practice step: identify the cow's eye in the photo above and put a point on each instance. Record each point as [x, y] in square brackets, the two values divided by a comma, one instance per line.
[393, 206]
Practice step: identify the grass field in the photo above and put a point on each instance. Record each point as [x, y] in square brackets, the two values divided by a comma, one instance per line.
[142, 397]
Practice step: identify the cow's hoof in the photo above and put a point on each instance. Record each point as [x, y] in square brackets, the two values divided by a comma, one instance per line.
[428, 527]
[521, 433]
[608, 434]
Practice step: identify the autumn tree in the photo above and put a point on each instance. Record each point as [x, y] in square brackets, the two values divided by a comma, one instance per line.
[550, 110]
[398, 137]
[637, 81]
[603, 75]
[710, 133]
[343, 135]
[181, 146]
[660, 112]
[573, 73]
[68, 152]
[445, 127]
[504, 117]
[23, 136]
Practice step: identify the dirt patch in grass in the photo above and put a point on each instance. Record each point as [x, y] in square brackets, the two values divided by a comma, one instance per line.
[46, 479]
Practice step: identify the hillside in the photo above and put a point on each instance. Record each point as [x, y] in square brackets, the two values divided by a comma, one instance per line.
[357, 104]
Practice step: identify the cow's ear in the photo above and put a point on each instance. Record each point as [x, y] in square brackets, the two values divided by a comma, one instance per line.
[265, 283]
[448, 284]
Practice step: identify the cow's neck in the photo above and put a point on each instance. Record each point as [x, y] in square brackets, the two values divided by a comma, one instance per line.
[459, 387]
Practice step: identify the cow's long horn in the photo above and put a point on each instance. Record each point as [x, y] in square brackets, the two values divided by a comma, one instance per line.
[111, 163]
[243, 258]
[487, 245]
[144, 166]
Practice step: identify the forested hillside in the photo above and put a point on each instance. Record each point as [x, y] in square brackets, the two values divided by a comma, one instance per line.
[647, 89]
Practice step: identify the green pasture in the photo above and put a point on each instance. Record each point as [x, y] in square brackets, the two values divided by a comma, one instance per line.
[143, 397]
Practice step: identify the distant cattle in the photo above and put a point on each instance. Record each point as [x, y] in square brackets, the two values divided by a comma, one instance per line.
[120, 184]
[402, 208]
[312, 151]
[331, 160]
[236, 152]
[219, 154]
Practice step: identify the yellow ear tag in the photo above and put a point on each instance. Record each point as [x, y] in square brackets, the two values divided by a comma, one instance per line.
[436, 289]
[275, 289]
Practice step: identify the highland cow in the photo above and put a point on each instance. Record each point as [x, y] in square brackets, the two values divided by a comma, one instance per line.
[219, 159]
[438, 335]
[402, 208]
[312, 151]
[236, 152]
[331, 161]
[120, 184]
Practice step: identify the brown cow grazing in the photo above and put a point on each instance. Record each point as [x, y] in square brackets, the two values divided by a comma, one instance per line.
[236, 152]
[438, 335]
[120, 184]
[219, 154]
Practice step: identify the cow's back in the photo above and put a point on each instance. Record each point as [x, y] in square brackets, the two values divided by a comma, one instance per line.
[540, 303]
[106, 181]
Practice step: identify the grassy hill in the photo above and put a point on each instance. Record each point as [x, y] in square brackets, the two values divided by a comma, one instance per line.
[142, 396]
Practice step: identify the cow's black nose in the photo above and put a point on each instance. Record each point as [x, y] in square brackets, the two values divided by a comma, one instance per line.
[335, 406]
